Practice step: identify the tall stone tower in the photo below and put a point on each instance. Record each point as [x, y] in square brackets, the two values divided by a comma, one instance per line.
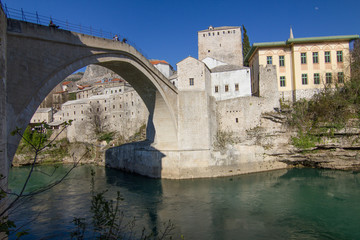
[221, 43]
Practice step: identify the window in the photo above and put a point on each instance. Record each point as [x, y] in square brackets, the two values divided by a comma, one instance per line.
[226, 88]
[303, 58]
[327, 57]
[191, 81]
[282, 81]
[315, 57]
[269, 60]
[237, 120]
[236, 87]
[339, 56]
[328, 77]
[216, 89]
[316, 78]
[281, 61]
[340, 77]
[304, 79]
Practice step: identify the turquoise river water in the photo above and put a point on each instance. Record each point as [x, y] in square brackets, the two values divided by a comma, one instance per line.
[283, 204]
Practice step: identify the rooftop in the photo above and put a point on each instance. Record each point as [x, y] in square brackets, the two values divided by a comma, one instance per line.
[43, 110]
[79, 101]
[66, 83]
[211, 28]
[154, 62]
[227, 68]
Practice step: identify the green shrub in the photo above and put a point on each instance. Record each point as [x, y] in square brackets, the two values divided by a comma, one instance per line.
[304, 141]
[109, 136]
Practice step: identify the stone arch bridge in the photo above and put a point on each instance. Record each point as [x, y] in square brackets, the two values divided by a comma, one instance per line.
[36, 58]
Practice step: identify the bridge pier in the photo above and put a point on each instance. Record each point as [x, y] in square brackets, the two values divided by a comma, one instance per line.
[4, 166]
[191, 159]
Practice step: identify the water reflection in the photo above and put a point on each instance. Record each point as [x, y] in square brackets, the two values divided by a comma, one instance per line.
[284, 204]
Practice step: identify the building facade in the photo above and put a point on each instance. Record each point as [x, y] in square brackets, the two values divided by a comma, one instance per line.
[42, 115]
[303, 65]
[221, 43]
[123, 112]
[164, 67]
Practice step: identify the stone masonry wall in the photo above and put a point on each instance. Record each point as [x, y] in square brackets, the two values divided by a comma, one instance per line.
[223, 44]
[3, 154]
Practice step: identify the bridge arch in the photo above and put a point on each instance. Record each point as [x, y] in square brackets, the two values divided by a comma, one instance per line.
[46, 65]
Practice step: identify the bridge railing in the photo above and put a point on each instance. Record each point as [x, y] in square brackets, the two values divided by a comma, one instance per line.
[65, 25]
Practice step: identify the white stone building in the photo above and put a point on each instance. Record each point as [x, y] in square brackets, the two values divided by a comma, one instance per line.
[42, 115]
[163, 66]
[221, 43]
[219, 69]
[120, 109]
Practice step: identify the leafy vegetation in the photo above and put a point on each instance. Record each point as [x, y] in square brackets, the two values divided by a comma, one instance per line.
[36, 139]
[329, 110]
[72, 96]
[108, 137]
[222, 138]
[245, 44]
[33, 137]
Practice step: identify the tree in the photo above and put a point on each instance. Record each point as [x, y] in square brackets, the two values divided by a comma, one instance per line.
[37, 140]
[355, 59]
[245, 44]
[107, 221]
[97, 118]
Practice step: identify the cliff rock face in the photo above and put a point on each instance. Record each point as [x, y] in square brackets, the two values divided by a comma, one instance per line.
[94, 73]
[340, 150]
[267, 145]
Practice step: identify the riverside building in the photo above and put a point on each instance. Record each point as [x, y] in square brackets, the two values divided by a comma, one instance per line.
[303, 65]
[219, 68]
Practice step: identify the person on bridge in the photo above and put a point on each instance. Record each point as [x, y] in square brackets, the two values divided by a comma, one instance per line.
[116, 38]
[52, 25]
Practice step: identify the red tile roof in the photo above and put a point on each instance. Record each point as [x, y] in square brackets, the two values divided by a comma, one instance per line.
[117, 80]
[81, 87]
[66, 83]
[154, 62]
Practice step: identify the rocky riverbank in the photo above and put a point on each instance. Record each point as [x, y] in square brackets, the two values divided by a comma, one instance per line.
[339, 149]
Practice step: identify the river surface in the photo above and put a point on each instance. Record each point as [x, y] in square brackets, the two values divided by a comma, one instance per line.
[283, 204]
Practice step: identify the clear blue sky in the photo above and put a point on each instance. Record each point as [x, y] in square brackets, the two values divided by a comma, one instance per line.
[167, 30]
